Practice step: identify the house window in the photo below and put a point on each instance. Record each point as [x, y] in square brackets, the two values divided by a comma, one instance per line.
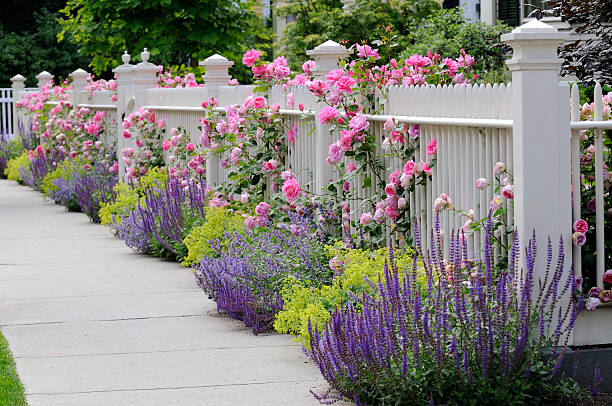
[529, 8]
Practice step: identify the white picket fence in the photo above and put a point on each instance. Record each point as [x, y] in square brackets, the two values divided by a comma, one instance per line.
[526, 125]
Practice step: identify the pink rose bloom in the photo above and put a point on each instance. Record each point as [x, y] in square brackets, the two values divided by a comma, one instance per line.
[410, 168]
[250, 57]
[127, 134]
[481, 183]
[401, 203]
[405, 180]
[221, 127]
[350, 166]
[244, 198]
[166, 145]
[262, 209]
[271, 164]
[608, 276]
[581, 226]
[250, 223]
[345, 84]
[291, 134]
[592, 303]
[365, 219]
[508, 191]
[327, 114]
[259, 102]
[395, 176]
[365, 51]
[335, 153]
[317, 87]
[308, 66]
[499, 168]
[379, 215]
[391, 212]
[359, 123]
[426, 168]
[389, 125]
[390, 189]
[346, 140]
[432, 147]
[334, 75]
[496, 203]
[204, 140]
[113, 168]
[290, 100]
[578, 239]
[288, 174]
[190, 147]
[291, 189]
[414, 131]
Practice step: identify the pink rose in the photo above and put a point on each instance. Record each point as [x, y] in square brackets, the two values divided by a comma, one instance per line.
[410, 168]
[327, 114]
[390, 189]
[221, 127]
[262, 209]
[334, 75]
[250, 223]
[244, 198]
[350, 166]
[391, 212]
[389, 125]
[190, 147]
[499, 168]
[291, 189]
[308, 66]
[335, 153]
[166, 145]
[271, 164]
[508, 191]
[345, 84]
[259, 102]
[365, 219]
[432, 147]
[581, 226]
[359, 123]
[578, 239]
[250, 57]
[127, 134]
[481, 183]
[608, 276]
[414, 131]
[346, 139]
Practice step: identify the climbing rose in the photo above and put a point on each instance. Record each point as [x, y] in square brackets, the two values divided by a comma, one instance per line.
[508, 191]
[166, 145]
[578, 239]
[250, 57]
[327, 114]
[481, 183]
[496, 203]
[335, 153]
[291, 189]
[499, 168]
[244, 198]
[432, 147]
[365, 219]
[359, 123]
[608, 276]
[250, 223]
[190, 147]
[262, 209]
[581, 226]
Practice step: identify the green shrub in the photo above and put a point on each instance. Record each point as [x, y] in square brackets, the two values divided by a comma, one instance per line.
[13, 165]
[359, 267]
[65, 169]
[128, 197]
[218, 222]
[445, 32]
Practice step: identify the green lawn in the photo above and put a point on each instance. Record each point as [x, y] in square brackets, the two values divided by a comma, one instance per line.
[11, 391]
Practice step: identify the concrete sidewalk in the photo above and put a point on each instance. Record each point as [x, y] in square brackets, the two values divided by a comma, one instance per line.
[92, 323]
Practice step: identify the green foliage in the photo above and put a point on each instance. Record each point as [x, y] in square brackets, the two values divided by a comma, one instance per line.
[11, 390]
[9, 149]
[319, 21]
[13, 165]
[34, 48]
[218, 222]
[176, 32]
[65, 169]
[446, 33]
[128, 196]
[303, 302]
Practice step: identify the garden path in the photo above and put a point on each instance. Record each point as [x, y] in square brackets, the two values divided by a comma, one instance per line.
[92, 323]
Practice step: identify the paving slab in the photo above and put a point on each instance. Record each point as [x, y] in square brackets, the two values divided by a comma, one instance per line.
[90, 322]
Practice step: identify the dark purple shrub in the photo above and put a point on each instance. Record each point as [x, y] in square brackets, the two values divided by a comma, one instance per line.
[468, 338]
[247, 272]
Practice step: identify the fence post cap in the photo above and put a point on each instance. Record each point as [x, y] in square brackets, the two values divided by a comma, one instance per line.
[79, 74]
[44, 75]
[535, 30]
[217, 70]
[126, 66]
[329, 47]
[18, 78]
[216, 59]
[145, 65]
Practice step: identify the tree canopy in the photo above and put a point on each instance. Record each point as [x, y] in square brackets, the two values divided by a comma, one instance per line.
[176, 32]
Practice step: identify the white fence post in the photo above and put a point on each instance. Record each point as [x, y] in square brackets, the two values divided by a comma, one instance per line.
[216, 74]
[145, 77]
[326, 57]
[541, 140]
[125, 103]
[79, 81]
[44, 79]
[18, 86]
